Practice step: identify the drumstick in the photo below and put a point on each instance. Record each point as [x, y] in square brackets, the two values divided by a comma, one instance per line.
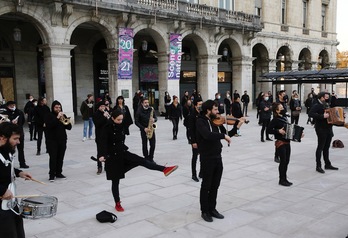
[35, 180]
[25, 196]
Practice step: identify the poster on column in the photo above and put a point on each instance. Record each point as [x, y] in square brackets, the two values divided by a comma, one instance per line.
[125, 53]
[175, 56]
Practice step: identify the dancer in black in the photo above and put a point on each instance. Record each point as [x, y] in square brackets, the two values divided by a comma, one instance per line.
[118, 160]
[175, 114]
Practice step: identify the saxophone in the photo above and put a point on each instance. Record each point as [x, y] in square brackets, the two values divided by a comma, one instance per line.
[151, 126]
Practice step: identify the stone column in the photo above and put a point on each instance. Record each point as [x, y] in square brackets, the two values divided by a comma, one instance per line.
[163, 83]
[207, 69]
[57, 60]
[242, 75]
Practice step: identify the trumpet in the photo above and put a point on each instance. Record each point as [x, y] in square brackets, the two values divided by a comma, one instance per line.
[4, 118]
[65, 120]
[107, 114]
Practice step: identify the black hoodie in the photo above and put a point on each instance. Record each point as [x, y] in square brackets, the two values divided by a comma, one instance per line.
[55, 129]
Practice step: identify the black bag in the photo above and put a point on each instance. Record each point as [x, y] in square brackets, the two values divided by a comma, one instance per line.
[337, 144]
[106, 216]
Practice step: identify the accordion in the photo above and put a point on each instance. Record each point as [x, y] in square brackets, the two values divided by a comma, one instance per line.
[336, 116]
[293, 132]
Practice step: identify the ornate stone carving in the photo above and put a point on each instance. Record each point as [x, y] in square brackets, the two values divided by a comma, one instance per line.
[67, 11]
[56, 12]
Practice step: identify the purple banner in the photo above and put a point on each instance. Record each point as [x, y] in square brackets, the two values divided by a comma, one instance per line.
[125, 53]
[175, 56]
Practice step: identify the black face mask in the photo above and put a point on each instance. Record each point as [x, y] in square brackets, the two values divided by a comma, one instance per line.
[283, 112]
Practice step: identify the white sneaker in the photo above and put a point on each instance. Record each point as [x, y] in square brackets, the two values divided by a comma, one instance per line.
[91, 138]
[84, 139]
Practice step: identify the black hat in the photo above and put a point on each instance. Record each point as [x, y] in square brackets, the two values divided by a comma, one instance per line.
[106, 216]
[10, 103]
[102, 102]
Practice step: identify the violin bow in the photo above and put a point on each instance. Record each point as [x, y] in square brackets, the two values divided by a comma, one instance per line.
[228, 144]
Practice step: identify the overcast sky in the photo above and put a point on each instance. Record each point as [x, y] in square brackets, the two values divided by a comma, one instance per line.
[342, 24]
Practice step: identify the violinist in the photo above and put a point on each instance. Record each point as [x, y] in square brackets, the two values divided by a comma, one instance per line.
[230, 120]
[208, 138]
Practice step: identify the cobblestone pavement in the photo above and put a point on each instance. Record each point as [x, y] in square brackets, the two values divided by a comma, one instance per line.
[253, 203]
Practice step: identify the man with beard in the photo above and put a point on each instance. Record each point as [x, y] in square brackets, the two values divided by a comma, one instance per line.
[11, 224]
[209, 147]
[56, 140]
[323, 130]
[142, 118]
[17, 117]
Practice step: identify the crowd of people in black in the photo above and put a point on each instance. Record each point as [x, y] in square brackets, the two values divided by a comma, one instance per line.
[202, 133]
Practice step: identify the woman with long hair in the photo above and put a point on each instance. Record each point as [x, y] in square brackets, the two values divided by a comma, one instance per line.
[127, 120]
[174, 115]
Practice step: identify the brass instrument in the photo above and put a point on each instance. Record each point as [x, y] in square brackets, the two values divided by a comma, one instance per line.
[4, 118]
[65, 120]
[151, 126]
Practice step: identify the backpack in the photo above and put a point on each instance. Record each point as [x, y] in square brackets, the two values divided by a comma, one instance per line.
[337, 144]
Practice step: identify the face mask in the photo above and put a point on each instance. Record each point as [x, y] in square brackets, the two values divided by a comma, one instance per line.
[283, 112]
[13, 108]
[199, 108]
[295, 98]
[35, 104]
[266, 98]
[31, 99]
[146, 107]
[327, 100]
[218, 97]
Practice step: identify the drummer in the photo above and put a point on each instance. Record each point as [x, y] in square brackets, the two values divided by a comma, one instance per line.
[11, 224]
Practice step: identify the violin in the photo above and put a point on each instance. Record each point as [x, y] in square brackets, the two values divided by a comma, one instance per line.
[221, 120]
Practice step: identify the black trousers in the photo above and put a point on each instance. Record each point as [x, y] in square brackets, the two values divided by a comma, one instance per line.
[20, 149]
[40, 132]
[175, 122]
[283, 152]
[11, 225]
[32, 130]
[294, 119]
[146, 153]
[99, 148]
[211, 176]
[245, 109]
[194, 161]
[265, 123]
[56, 151]
[324, 141]
[131, 161]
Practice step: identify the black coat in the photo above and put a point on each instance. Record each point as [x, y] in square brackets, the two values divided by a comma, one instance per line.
[317, 113]
[264, 115]
[5, 172]
[276, 124]
[192, 125]
[127, 118]
[114, 150]
[99, 122]
[208, 138]
[39, 114]
[175, 111]
[55, 129]
[142, 117]
[236, 110]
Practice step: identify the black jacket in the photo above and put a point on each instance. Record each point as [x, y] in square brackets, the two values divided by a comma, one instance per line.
[5, 172]
[276, 124]
[208, 138]
[39, 114]
[99, 122]
[264, 115]
[55, 129]
[245, 98]
[142, 117]
[317, 113]
[192, 125]
[13, 115]
[175, 111]
[236, 110]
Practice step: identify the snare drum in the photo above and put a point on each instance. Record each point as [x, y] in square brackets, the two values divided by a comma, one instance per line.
[38, 207]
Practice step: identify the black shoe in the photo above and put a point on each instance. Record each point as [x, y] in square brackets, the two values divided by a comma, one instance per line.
[246, 121]
[206, 217]
[269, 139]
[194, 178]
[51, 179]
[38, 152]
[35, 138]
[320, 170]
[262, 140]
[216, 214]
[276, 159]
[99, 171]
[288, 182]
[31, 139]
[24, 166]
[330, 167]
[200, 174]
[60, 176]
[285, 183]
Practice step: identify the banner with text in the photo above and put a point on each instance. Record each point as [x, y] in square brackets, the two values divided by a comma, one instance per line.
[175, 56]
[125, 53]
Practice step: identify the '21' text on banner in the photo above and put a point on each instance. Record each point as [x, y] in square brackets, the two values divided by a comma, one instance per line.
[125, 53]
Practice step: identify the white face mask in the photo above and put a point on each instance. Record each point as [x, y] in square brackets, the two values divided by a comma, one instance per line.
[35, 104]
[13, 108]
[218, 97]
[266, 98]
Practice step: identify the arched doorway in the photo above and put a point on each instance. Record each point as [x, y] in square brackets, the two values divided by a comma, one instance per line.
[260, 66]
[305, 60]
[225, 73]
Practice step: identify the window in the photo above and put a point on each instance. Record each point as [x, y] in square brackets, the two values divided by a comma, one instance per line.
[283, 11]
[305, 14]
[226, 4]
[258, 7]
[323, 17]
[192, 1]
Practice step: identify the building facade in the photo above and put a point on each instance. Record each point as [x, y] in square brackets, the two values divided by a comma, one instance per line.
[66, 49]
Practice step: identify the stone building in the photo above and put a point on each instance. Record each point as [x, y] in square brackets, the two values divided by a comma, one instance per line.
[65, 49]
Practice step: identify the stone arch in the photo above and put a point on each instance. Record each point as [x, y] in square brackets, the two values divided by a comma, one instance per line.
[44, 29]
[305, 59]
[107, 30]
[199, 39]
[234, 45]
[284, 57]
[157, 34]
[324, 59]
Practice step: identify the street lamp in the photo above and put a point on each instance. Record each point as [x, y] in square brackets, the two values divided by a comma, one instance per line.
[144, 45]
[17, 35]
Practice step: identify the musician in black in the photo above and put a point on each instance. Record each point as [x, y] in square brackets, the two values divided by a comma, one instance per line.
[11, 224]
[17, 117]
[186, 112]
[265, 115]
[197, 107]
[175, 114]
[209, 146]
[278, 127]
[118, 160]
[142, 118]
[56, 140]
[323, 130]
[100, 118]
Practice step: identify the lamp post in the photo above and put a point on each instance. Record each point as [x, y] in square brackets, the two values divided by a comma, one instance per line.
[17, 35]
